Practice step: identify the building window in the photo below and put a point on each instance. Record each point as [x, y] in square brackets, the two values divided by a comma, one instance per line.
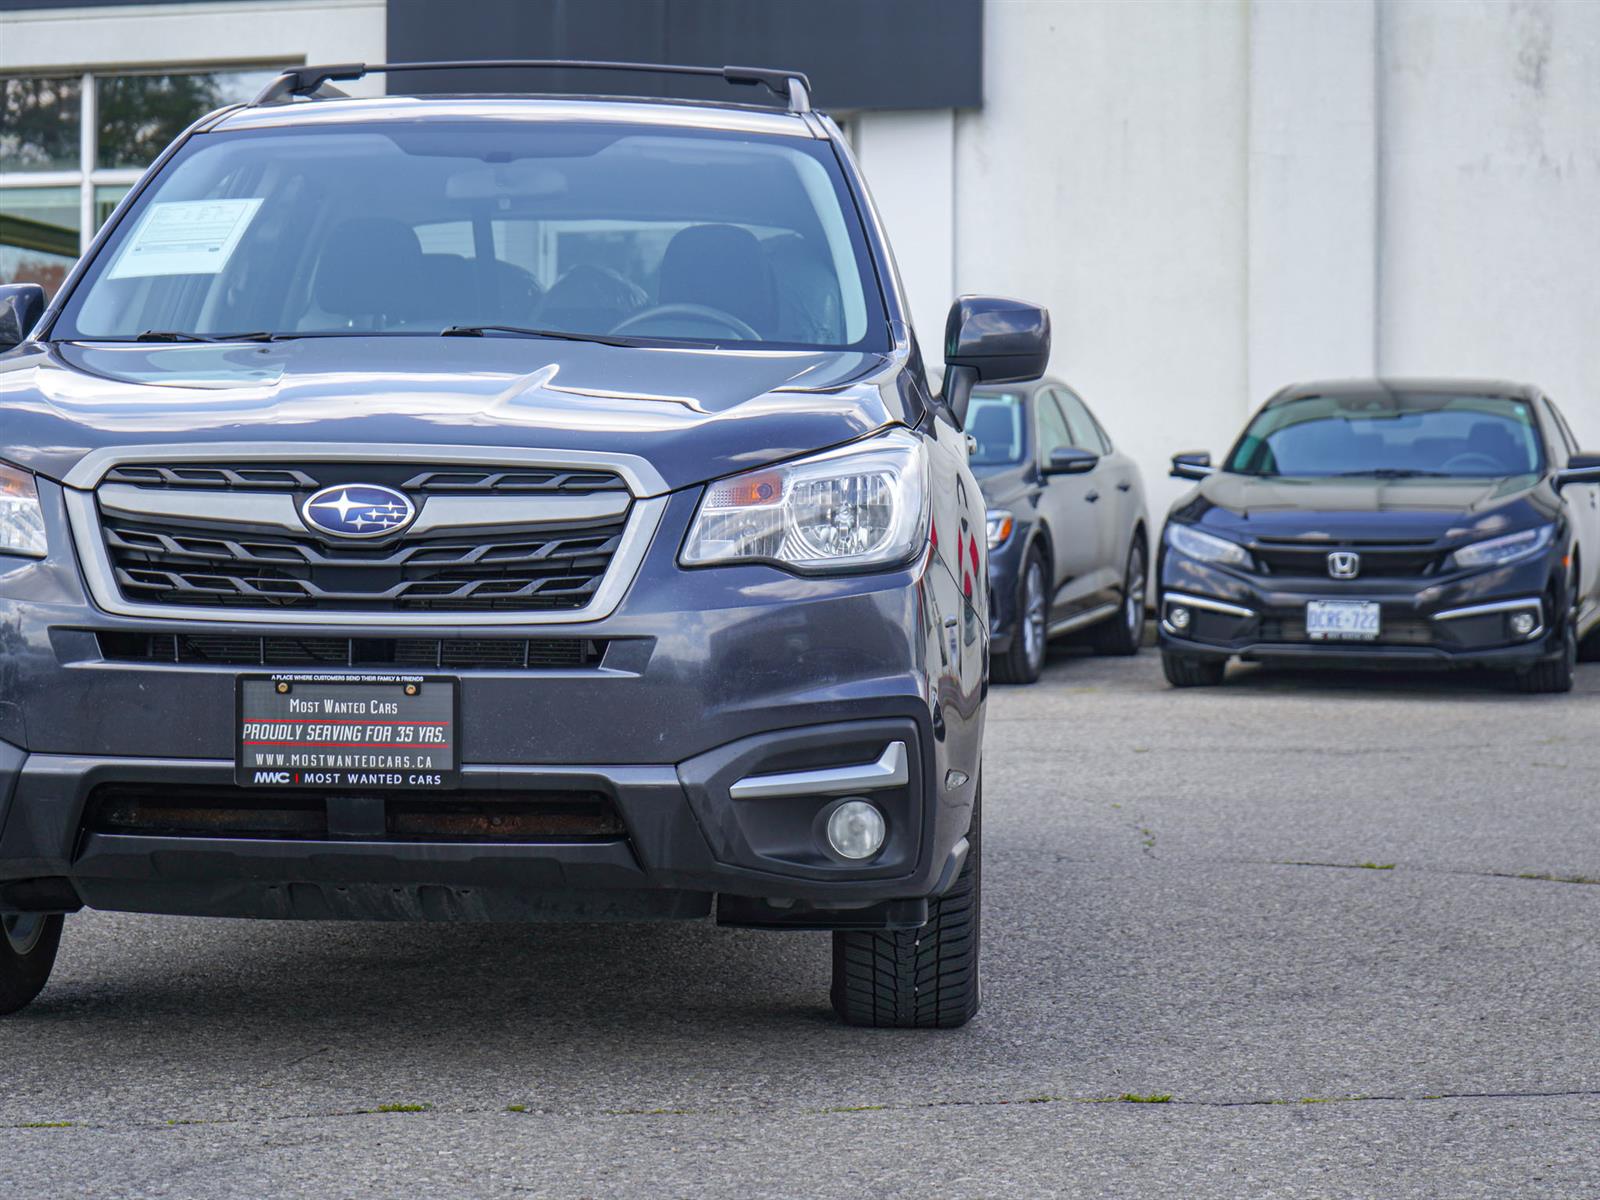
[72, 145]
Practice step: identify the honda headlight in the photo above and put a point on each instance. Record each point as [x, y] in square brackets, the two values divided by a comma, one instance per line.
[862, 506]
[1187, 540]
[21, 518]
[1514, 547]
[1000, 524]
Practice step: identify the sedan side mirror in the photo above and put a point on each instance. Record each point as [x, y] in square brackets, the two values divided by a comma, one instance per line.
[988, 339]
[1069, 460]
[21, 306]
[1192, 464]
[1581, 468]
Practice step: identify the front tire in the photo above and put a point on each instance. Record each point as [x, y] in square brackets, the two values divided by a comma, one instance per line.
[1024, 658]
[1185, 670]
[923, 978]
[28, 944]
[1124, 633]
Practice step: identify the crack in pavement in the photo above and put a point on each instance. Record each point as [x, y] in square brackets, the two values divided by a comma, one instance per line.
[1127, 1098]
[1526, 876]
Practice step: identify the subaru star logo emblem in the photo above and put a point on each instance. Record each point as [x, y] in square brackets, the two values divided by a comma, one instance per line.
[1344, 564]
[358, 510]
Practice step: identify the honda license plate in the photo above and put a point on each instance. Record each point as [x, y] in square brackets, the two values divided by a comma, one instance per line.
[1342, 620]
[344, 731]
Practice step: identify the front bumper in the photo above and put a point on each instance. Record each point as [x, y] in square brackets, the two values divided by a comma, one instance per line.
[1005, 601]
[1458, 621]
[707, 677]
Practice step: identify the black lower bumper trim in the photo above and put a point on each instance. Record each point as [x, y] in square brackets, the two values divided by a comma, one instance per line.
[747, 912]
[1355, 654]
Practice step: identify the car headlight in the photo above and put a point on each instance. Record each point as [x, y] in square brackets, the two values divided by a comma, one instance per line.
[21, 518]
[1508, 549]
[859, 507]
[1187, 540]
[1000, 526]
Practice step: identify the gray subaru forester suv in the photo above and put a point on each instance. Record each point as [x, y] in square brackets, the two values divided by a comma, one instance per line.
[499, 508]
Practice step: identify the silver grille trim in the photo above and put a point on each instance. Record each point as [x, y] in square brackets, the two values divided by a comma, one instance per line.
[641, 476]
[440, 515]
[270, 510]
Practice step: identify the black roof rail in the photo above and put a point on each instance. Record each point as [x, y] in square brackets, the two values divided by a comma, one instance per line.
[791, 86]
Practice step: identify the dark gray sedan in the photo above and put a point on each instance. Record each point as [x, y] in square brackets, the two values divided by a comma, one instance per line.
[1069, 546]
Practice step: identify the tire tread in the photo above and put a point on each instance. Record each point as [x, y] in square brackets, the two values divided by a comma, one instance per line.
[924, 978]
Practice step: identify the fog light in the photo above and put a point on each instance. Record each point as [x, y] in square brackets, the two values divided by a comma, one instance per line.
[1178, 617]
[855, 830]
[1523, 623]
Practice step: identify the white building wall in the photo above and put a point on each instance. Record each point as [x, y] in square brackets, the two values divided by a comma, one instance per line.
[1490, 251]
[910, 159]
[1313, 200]
[1106, 177]
[1218, 197]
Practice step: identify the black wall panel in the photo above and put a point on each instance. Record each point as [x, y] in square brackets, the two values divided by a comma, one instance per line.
[858, 53]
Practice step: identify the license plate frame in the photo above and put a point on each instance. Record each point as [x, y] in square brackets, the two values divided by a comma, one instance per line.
[1343, 620]
[370, 737]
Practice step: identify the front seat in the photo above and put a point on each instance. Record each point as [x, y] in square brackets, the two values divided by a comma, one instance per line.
[1492, 440]
[371, 272]
[721, 267]
[809, 307]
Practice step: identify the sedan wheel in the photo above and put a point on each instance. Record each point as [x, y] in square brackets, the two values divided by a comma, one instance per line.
[1024, 658]
[27, 953]
[1033, 616]
[1124, 633]
[23, 932]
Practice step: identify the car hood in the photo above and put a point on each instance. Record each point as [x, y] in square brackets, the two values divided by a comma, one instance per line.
[1004, 483]
[694, 414]
[1245, 506]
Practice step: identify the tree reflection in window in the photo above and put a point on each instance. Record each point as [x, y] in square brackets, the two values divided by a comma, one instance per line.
[140, 114]
[39, 122]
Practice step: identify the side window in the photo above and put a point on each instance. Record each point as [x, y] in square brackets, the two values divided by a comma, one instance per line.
[1086, 431]
[1053, 431]
[1561, 424]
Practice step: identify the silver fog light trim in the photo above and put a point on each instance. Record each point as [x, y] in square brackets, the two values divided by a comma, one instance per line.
[892, 769]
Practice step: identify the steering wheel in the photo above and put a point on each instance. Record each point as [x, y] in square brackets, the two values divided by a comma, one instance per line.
[1471, 458]
[690, 313]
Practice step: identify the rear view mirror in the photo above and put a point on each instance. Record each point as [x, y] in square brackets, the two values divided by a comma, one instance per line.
[21, 306]
[1192, 464]
[988, 339]
[1581, 468]
[517, 179]
[1069, 460]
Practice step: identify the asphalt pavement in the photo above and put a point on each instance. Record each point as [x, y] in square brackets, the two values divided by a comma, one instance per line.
[1328, 936]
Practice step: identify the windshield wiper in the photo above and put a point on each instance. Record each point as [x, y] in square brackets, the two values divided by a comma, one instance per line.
[178, 335]
[1397, 473]
[558, 334]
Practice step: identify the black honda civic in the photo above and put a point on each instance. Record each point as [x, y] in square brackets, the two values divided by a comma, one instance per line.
[1402, 523]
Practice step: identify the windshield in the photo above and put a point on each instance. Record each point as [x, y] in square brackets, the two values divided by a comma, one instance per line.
[1392, 436]
[652, 233]
[994, 419]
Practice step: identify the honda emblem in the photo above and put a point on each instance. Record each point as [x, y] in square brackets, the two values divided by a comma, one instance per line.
[1344, 564]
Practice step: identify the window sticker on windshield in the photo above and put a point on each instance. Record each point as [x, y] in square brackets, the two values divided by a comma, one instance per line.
[184, 237]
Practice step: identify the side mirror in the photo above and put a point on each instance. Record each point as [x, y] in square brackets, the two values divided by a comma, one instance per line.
[988, 339]
[1069, 460]
[21, 306]
[1192, 464]
[1581, 468]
